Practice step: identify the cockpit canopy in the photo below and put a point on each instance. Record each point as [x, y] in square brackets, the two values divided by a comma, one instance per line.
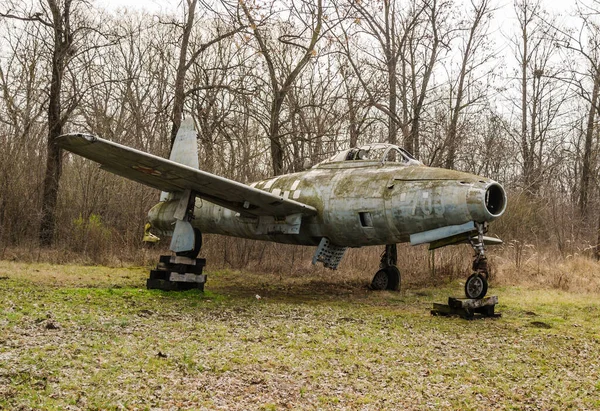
[379, 152]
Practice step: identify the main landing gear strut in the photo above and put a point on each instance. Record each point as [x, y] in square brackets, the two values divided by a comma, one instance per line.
[388, 276]
[477, 284]
[184, 270]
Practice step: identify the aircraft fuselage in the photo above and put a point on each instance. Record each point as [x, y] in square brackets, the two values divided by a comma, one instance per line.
[358, 204]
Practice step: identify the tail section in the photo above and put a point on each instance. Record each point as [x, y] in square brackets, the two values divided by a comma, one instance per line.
[185, 148]
[184, 151]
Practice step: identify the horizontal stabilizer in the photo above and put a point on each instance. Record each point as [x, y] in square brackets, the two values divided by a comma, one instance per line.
[167, 175]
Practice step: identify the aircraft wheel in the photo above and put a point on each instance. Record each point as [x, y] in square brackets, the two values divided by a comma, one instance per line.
[476, 286]
[197, 246]
[380, 280]
[387, 278]
[393, 278]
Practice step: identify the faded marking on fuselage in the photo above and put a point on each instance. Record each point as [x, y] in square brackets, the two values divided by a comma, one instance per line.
[286, 195]
[276, 191]
[254, 184]
[297, 194]
[423, 204]
[295, 185]
[270, 183]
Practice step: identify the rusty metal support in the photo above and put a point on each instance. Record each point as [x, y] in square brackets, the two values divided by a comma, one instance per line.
[389, 258]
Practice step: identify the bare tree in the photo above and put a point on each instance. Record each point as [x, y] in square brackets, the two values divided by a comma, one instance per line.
[310, 18]
[586, 44]
[316, 117]
[390, 26]
[184, 62]
[56, 16]
[541, 95]
[419, 60]
[473, 56]
[22, 106]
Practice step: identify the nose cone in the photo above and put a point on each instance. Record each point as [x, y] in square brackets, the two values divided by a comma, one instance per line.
[486, 201]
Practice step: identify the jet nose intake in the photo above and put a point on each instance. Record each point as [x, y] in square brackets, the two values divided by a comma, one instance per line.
[495, 199]
[486, 202]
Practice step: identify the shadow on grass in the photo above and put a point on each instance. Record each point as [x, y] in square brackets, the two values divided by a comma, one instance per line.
[310, 289]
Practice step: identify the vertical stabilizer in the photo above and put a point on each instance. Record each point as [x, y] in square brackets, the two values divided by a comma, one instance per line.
[185, 148]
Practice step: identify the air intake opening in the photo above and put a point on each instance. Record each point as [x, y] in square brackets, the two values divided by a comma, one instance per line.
[495, 200]
[365, 219]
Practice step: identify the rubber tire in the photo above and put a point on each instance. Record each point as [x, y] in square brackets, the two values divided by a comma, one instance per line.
[380, 280]
[481, 292]
[197, 246]
[393, 278]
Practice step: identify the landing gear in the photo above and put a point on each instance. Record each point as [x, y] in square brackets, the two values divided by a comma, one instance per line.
[477, 284]
[193, 253]
[186, 240]
[388, 276]
[184, 270]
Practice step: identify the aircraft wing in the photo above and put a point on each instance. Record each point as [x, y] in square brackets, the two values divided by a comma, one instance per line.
[167, 175]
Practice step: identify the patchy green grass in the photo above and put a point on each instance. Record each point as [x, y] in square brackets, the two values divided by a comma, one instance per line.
[94, 338]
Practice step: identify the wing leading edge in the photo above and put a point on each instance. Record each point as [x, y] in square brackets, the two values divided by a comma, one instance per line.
[167, 175]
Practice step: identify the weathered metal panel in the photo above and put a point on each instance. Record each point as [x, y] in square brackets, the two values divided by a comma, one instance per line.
[271, 225]
[442, 232]
[183, 237]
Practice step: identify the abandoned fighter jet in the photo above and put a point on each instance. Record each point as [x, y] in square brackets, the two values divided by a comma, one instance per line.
[373, 195]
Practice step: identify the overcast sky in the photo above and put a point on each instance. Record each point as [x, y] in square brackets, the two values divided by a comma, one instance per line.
[165, 5]
[152, 6]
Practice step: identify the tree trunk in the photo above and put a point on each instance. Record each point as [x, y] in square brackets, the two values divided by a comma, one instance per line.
[597, 252]
[393, 122]
[406, 134]
[62, 42]
[51, 182]
[420, 98]
[531, 182]
[587, 151]
[353, 126]
[452, 143]
[527, 163]
[276, 148]
[182, 67]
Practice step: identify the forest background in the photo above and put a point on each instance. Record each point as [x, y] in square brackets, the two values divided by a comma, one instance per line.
[511, 92]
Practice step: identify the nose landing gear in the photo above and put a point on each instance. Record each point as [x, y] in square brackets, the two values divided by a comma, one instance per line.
[477, 284]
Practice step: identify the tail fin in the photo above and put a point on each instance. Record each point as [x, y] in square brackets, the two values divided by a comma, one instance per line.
[185, 148]
[184, 151]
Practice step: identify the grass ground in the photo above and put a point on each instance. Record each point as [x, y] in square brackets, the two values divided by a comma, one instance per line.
[76, 337]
